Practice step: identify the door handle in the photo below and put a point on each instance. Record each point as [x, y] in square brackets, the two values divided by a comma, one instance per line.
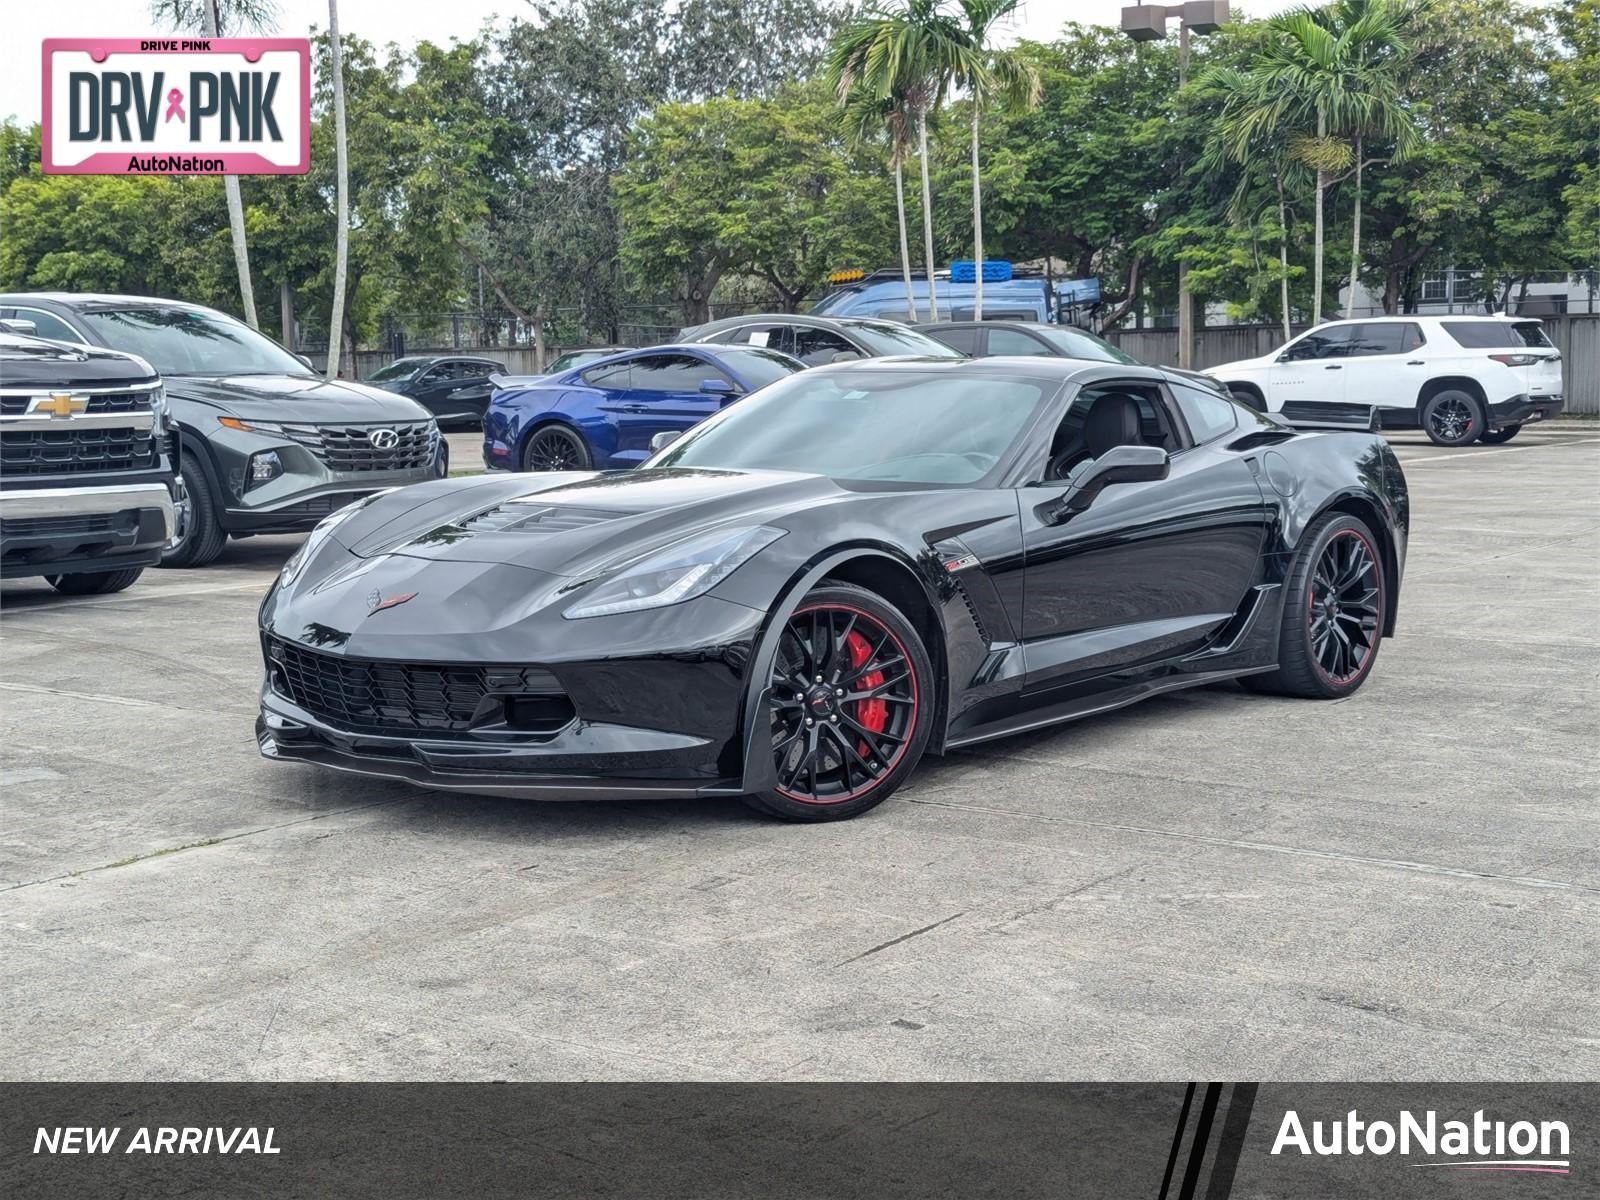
[1416, 362]
[635, 408]
[1333, 367]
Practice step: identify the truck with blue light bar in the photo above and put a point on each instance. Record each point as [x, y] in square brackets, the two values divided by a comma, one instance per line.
[1009, 294]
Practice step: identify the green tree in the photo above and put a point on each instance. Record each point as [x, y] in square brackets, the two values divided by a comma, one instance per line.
[887, 121]
[912, 51]
[1324, 73]
[990, 75]
[216, 17]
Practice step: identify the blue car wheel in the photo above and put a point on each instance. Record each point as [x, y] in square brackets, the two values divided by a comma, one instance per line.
[555, 448]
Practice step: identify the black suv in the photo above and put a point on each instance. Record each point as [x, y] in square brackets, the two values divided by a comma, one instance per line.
[266, 445]
[86, 470]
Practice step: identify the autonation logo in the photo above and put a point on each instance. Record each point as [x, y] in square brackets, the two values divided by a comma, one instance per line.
[1478, 1145]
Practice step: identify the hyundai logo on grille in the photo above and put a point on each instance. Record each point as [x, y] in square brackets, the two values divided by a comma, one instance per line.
[383, 439]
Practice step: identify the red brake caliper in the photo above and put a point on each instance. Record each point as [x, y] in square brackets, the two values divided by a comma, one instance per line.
[871, 714]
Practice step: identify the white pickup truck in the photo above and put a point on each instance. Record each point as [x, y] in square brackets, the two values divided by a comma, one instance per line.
[1458, 378]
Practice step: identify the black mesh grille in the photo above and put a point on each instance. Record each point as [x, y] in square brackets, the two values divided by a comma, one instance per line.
[351, 447]
[399, 698]
[384, 696]
[46, 452]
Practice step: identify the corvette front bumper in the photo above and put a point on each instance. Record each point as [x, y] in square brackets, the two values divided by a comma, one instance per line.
[568, 767]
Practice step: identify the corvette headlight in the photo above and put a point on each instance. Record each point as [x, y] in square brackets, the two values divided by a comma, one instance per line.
[297, 561]
[679, 572]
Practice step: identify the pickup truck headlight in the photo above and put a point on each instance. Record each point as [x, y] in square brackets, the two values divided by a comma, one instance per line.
[676, 573]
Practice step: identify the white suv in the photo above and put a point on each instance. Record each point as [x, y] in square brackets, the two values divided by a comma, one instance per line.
[1457, 378]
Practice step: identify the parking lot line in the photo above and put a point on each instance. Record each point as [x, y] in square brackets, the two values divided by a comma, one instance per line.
[1448, 458]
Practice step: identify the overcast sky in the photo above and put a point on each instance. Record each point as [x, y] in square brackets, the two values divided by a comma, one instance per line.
[28, 22]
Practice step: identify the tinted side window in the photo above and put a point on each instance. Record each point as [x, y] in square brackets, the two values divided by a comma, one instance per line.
[1496, 335]
[48, 325]
[1014, 341]
[1333, 342]
[964, 340]
[1208, 415]
[672, 373]
[612, 375]
[817, 346]
[1389, 337]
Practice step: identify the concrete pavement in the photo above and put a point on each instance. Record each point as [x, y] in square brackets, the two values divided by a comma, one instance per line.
[1402, 885]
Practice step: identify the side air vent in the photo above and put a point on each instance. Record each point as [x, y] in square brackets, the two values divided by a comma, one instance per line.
[537, 518]
[972, 611]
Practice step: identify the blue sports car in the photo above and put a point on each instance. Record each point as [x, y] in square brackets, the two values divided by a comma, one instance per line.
[604, 414]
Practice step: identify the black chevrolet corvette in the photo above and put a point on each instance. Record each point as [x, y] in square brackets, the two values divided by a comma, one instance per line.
[861, 564]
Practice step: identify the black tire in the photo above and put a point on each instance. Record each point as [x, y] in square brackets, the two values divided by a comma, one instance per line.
[1333, 613]
[94, 583]
[556, 448]
[1498, 437]
[859, 749]
[1248, 397]
[202, 539]
[1453, 418]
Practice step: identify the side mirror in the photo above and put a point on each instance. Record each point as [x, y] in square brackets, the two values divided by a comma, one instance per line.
[840, 356]
[20, 325]
[306, 362]
[1120, 464]
[663, 439]
[718, 387]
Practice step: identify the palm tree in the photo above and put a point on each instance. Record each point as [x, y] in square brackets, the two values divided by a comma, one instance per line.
[912, 51]
[342, 158]
[1234, 142]
[867, 120]
[1330, 71]
[989, 74]
[1376, 31]
[214, 16]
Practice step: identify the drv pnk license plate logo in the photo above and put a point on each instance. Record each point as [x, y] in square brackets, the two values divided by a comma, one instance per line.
[177, 106]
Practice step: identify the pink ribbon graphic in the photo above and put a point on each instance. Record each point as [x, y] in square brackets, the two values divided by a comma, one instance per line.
[175, 105]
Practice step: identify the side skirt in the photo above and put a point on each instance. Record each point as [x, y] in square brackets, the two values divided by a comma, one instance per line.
[1102, 702]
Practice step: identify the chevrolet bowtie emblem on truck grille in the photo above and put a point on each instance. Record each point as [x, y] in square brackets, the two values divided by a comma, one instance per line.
[60, 405]
[377, 601]
[383, 439]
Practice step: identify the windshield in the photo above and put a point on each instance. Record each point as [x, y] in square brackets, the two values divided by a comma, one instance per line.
[401, 368]
[183, 341]
[885, 338]
[905, 425]
[1077, 343]
[760, 367]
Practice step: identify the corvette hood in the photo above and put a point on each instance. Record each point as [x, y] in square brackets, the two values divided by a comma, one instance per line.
[303, 398]
[574, 526]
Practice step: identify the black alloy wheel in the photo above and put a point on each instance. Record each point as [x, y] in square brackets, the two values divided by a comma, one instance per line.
[555, 448]
[1343, 607]
[849, 687]
[1452, 418]
[1333, 613]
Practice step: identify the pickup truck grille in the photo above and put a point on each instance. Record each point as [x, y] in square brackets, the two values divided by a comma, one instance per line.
[99, 402]
[350, 447]
[69, 451]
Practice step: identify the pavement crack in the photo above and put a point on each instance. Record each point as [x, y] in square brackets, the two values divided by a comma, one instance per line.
[198, 845]
[1395, 864]
[904, 937]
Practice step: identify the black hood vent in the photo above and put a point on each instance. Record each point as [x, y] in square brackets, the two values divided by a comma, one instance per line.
[537, 518]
